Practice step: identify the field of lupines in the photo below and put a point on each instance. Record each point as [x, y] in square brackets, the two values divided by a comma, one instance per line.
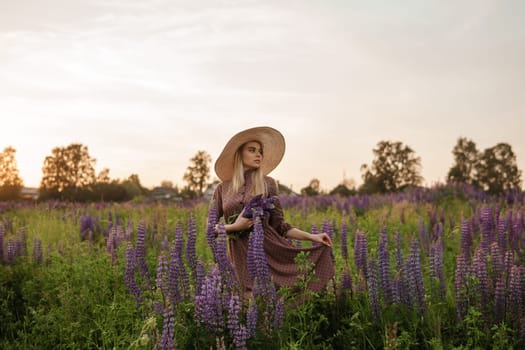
[439, 268]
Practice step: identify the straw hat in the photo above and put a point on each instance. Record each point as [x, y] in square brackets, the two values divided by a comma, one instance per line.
[271, 140]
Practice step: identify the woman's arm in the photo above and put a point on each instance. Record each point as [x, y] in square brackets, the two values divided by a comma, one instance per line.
[240, 224]
[295, 233]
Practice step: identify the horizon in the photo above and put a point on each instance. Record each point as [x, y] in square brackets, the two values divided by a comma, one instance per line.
[146, 85]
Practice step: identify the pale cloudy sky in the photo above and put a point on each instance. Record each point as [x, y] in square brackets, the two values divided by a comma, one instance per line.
[145, 84]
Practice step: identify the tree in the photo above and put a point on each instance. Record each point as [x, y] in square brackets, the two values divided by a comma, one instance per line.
[133, 186]
[466, 157]
[10, 181]
[497, 170]
[313, 189]
[67, 172]
[394, 168]
[198, 172]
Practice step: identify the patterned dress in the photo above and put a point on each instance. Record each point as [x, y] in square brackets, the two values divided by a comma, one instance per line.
[280, 253]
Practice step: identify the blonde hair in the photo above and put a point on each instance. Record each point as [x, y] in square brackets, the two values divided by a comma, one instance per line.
[259, 184]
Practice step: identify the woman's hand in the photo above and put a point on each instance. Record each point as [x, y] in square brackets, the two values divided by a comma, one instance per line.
[241, 223]
[322, 238]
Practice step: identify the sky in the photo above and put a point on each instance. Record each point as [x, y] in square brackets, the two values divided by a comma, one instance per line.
[146, 84]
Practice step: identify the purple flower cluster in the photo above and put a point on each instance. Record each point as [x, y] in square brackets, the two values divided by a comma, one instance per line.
[415, 277]
[360, 253]
[344, 241]
[140, 255]
[259, 205]
[257, 264]
[162, 274]
[130, 281]
[373, 290]
[88, 227]
[168, 330]
[221, 258]
[383, 259]
[437, 269]
[208, 303]
[460, 280]
[237, 331]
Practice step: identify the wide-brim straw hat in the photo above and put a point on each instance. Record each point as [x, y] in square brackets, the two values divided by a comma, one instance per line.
[272, 142]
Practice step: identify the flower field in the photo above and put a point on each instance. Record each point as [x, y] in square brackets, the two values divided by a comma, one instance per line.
[439, 268]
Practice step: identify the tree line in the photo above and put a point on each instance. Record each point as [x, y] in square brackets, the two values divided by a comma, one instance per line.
[68, 173]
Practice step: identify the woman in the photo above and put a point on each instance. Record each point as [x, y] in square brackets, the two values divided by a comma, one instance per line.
[242, 166]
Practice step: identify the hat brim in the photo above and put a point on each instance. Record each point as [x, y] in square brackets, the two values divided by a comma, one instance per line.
[271, 140]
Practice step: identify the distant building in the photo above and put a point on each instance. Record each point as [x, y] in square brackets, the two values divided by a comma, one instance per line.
[164, 194]
[29, 193]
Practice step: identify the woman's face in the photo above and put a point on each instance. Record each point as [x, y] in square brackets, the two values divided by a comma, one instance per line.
[252, 155]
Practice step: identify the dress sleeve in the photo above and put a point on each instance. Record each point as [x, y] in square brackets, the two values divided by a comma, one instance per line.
[277, 216]
[216, 201]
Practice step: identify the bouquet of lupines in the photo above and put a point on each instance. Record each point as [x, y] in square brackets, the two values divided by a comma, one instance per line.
[257, 206]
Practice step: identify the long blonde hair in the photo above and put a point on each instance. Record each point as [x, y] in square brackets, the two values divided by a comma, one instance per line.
[259, 184]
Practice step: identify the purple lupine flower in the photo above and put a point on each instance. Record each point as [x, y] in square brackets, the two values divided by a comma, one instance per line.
[262, 284]
[499, 301]
[373, 290]
[383, 259]
[237, 331]
[258, 202]
[174, 288]
[360, 253]
[181, 267]
[278, 312]
[497, 261]
[344, 238]
[486, 228]
[87, 226]
[221, 256]
[396, 289]
[208, 304]
[466, 238]
[460, 280]
[234, 307]
[424, 234]
[346, 281]
[162, 274]
[480, 270]
[251, 319]
[507, 262]
[200, 274]
[130, 281]
[415, 277]
[502, 235]
[37, 251]
[516, 302]
[168, 329]
[140, 255]
[437, 267]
